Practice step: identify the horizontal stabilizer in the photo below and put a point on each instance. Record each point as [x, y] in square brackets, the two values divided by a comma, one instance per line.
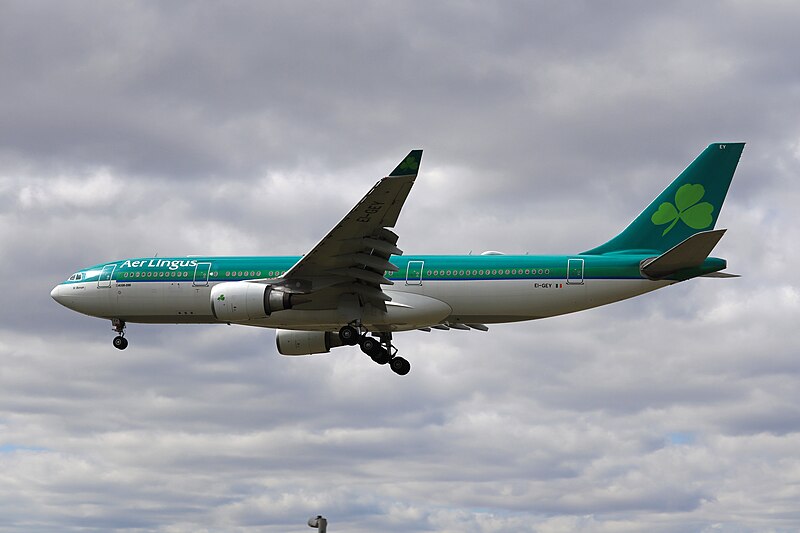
[720, 275]
[689, 253]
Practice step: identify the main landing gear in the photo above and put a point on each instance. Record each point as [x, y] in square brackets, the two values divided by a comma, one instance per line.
[379, 349]
[120, 342]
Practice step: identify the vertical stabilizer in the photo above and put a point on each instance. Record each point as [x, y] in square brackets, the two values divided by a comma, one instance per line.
[689, 205]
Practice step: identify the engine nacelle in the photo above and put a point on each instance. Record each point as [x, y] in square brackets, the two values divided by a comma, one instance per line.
[240, 301]
[292, 342]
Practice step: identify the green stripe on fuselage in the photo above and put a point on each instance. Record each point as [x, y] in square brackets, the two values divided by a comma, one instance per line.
[434, 268]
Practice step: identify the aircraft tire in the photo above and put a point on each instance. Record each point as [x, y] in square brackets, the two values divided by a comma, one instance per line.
[400, 366]
[349, 335]
[381, 357]
[120, 342]
[370, 346]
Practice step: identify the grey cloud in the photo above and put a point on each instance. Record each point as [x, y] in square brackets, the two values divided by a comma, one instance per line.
[245, 128]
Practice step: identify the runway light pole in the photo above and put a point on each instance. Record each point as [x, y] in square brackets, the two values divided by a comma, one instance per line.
[319, 522]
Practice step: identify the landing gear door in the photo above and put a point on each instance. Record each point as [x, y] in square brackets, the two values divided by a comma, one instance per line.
[414, 272]
[574, 271]
[104, 280]
[201, 274]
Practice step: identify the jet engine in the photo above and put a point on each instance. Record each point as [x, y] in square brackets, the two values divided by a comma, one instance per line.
[292, 342]
[240, 301]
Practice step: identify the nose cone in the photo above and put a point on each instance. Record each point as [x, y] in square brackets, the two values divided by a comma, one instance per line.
[74, 296]
[55, 294]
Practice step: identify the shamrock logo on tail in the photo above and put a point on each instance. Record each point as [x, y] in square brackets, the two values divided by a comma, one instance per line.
[695, 215]
[409, 164]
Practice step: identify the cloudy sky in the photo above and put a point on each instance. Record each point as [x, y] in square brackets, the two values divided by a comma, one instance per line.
[134, 128]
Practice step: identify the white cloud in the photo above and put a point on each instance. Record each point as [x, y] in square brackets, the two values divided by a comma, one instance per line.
[97, 189]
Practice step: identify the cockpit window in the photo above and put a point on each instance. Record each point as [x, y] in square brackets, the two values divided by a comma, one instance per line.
[76, 277]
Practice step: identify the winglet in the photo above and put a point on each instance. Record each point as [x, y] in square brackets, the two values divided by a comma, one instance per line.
[410, 165]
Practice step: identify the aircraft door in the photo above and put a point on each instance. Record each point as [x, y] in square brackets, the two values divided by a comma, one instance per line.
[414, 272]
[201, 275]
[574, 271]
[104, 280]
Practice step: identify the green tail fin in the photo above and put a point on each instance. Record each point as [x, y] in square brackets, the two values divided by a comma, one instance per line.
[689, 205]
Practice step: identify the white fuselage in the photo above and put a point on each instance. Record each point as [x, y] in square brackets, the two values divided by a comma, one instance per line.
[412, 306]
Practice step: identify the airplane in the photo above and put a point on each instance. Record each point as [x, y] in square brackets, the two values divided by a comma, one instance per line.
[355, 287]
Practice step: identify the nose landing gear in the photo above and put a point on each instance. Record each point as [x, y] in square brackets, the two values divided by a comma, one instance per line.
[380, 349]
[120, 342]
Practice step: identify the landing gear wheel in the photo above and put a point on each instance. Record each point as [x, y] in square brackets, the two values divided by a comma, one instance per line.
[120, 342]
[400, 366]
[382, 357]
[370, 346]
[349, 335]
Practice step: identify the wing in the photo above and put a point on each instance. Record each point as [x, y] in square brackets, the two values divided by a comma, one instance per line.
[354, 256]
